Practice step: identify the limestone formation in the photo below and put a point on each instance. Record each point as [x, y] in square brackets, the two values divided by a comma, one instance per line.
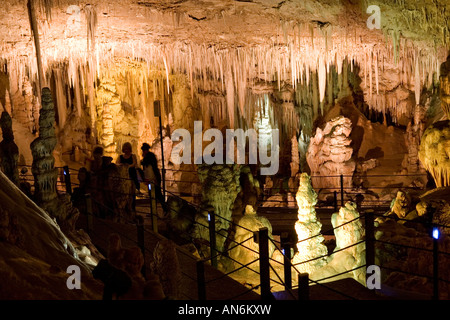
[9, 152]
[400, 205]
[107, 136]
[414, 132]
[308, 227]
[167, 267]
[44, 172]
[220, 188]
[330, 154]
[444, 83]
[181, 218]
[248, 252]
[347, 255]
[434, 152]
[9, 228]
[249, 191]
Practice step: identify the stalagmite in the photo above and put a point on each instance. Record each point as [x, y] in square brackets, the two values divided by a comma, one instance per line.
[308, 227]
[248, 253]
[349, 253]
[220, 188]
[44, 172]
[9, 152]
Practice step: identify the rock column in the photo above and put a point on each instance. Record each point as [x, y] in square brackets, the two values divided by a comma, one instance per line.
[9, 152]
[310, 241]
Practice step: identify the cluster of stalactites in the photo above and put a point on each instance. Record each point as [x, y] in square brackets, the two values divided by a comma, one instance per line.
[305, 51]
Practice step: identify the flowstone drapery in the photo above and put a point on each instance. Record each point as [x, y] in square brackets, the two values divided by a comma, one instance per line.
[9, 152]
[444, 83]
[434, 152]
[310, 242]
[220, 188]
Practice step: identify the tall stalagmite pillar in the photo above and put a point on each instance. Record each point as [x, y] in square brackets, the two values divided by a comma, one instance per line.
[44, 172]
[310, 241]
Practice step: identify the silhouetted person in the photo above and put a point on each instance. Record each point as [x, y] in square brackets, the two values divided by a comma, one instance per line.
[129, 158]
[116, 282]
[95, 163]
[151, 173]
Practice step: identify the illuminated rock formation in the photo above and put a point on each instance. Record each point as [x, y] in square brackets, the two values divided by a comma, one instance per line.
[414, 132]
[249, 250]
[444, 83]
[107, 137]
[249, 191]
[330, 154]
[400, 206]
[347, 255]
[9, 152]
[434, 152]
[220, 188]
[44, 172]
[308, 227]
[36, 257]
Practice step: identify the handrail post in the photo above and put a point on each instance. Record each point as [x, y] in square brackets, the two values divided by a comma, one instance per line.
[335, 201]
[201, 284]
[264, 265]
[370, 248]
[67, 180]
[303, 286]
[153, 212]
[287, 262]
[89, 214]
[342, 189]
[435, 269]
[140, 239]
[212, 238]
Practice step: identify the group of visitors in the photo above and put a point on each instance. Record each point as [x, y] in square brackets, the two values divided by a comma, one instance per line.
[147, 172]
[94, 178]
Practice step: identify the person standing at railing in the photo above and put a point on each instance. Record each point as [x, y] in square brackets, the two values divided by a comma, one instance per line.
[150, 173]
[94, 164]
[129, 158]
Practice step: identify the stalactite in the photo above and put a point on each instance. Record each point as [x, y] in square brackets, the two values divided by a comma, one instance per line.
[417, 80]
[35, 33]
[315, 94]
[61, 101]
[322, 74]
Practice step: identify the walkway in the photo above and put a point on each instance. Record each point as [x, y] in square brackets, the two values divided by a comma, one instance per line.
[224, 288]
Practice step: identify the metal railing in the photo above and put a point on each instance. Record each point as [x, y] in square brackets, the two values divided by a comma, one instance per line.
[265, 261]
